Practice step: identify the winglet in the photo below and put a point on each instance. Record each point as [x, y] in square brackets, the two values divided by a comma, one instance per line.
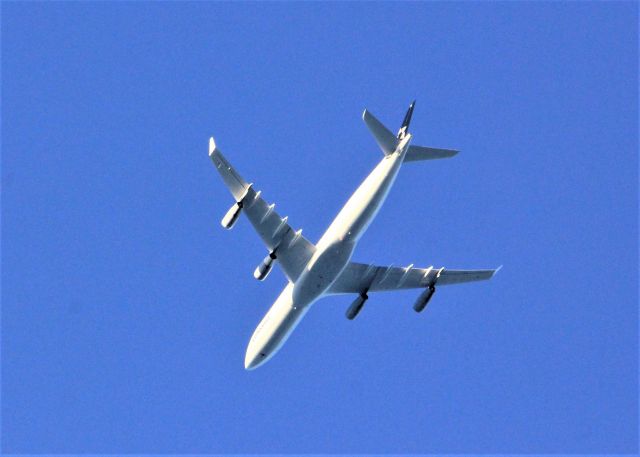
[496, 271]
[212, 146]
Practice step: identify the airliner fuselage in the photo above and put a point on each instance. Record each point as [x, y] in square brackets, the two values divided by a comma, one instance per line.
[333, 253]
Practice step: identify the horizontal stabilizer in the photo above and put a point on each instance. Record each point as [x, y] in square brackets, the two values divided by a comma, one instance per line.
[385, 139]
[416, 153]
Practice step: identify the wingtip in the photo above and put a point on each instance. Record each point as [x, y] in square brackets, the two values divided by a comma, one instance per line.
[496, 270]
[212, 145]
[364, 114]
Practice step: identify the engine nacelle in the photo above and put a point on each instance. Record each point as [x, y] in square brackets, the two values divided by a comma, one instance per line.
[262, 271]
[356, 306]
[229, 219]
[423, 299]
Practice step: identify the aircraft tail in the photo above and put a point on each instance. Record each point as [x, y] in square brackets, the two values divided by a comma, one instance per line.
[388, 141]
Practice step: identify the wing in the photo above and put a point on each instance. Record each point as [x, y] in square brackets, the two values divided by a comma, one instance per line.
[359, 277]
[292, 249]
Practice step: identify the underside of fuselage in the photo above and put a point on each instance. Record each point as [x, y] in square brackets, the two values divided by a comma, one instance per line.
[295, 300]
[333, 253]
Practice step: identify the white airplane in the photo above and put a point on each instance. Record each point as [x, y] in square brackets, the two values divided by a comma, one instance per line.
[325, 268]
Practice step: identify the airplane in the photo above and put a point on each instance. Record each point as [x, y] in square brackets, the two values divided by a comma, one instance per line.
[325, 268]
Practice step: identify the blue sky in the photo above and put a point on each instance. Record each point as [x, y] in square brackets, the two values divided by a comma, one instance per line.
[126, 309]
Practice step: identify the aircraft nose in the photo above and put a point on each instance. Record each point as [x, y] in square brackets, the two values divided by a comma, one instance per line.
[250, 362]
[253, 359]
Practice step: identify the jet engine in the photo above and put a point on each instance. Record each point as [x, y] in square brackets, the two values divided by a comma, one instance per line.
[262, 271]
[229, 219]
[356, 306]
[423, 299]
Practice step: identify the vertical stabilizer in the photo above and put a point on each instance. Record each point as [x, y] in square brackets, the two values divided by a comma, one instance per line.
[404, 128]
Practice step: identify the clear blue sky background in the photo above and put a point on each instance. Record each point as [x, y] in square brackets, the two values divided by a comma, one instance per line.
[126, 308]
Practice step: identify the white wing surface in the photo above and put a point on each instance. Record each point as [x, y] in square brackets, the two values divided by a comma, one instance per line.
[293, 251]
[360, 277]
